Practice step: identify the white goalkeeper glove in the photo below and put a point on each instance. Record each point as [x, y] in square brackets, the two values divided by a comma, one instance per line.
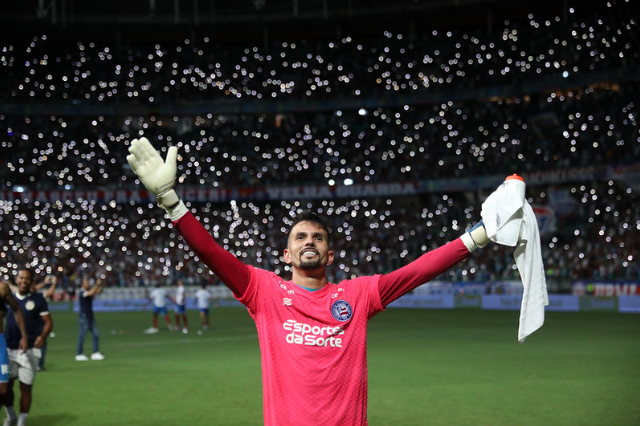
[478, 236]
[475, 237]
[156, 174]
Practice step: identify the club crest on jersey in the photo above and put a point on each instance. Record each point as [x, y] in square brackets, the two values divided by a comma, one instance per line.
[341, 310]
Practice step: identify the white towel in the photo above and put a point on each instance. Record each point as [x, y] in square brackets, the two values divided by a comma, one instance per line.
[509, 220]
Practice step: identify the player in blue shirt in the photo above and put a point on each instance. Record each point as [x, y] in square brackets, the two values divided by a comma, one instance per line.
[87, 320]
[23, 365]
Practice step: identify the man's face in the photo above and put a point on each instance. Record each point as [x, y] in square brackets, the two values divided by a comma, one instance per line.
[23, 281]
[308, 247]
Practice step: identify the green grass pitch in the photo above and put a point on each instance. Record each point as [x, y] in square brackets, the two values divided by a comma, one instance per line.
[426, 367]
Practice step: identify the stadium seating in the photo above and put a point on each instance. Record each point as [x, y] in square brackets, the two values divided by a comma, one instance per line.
[458, 107]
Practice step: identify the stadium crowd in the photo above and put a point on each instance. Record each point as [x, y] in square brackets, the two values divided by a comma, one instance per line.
[523, 51]
[426, 115]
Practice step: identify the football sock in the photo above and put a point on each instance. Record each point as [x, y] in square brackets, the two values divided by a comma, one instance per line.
[22, 420]
[11, 412]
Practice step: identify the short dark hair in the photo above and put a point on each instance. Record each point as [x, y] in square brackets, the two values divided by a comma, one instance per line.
[313, 217]
[29, 270]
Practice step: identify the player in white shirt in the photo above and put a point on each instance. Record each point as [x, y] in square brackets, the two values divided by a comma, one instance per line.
[203, 296]
[181, 309]
[159, 298]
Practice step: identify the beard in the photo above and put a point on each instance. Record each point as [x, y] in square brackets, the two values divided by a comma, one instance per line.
[310, 265]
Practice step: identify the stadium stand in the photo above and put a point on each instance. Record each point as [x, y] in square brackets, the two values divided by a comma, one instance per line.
[447, 113]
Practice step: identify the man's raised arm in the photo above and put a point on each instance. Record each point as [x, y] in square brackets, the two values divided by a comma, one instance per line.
[159, 177]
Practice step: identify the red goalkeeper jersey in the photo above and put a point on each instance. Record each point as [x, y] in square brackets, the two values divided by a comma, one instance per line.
[313, 344]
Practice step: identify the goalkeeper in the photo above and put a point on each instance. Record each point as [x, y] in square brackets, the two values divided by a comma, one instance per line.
[312, 333]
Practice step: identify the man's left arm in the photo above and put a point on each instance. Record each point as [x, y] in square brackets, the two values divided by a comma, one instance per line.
[43, 308]
[428, 266]
[48, 326]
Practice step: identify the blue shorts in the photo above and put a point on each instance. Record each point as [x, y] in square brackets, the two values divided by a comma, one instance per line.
[181, 309]
[4, 360]
[204, 310]
[159, 310]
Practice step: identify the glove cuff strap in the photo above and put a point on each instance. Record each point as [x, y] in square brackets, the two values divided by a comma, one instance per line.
[172, 204]
[468, 242]
[168, 200]
[475, 237]
[479, 234]
[175, 213]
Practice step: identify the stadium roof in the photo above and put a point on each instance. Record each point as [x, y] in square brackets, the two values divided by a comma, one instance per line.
[228, 20]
